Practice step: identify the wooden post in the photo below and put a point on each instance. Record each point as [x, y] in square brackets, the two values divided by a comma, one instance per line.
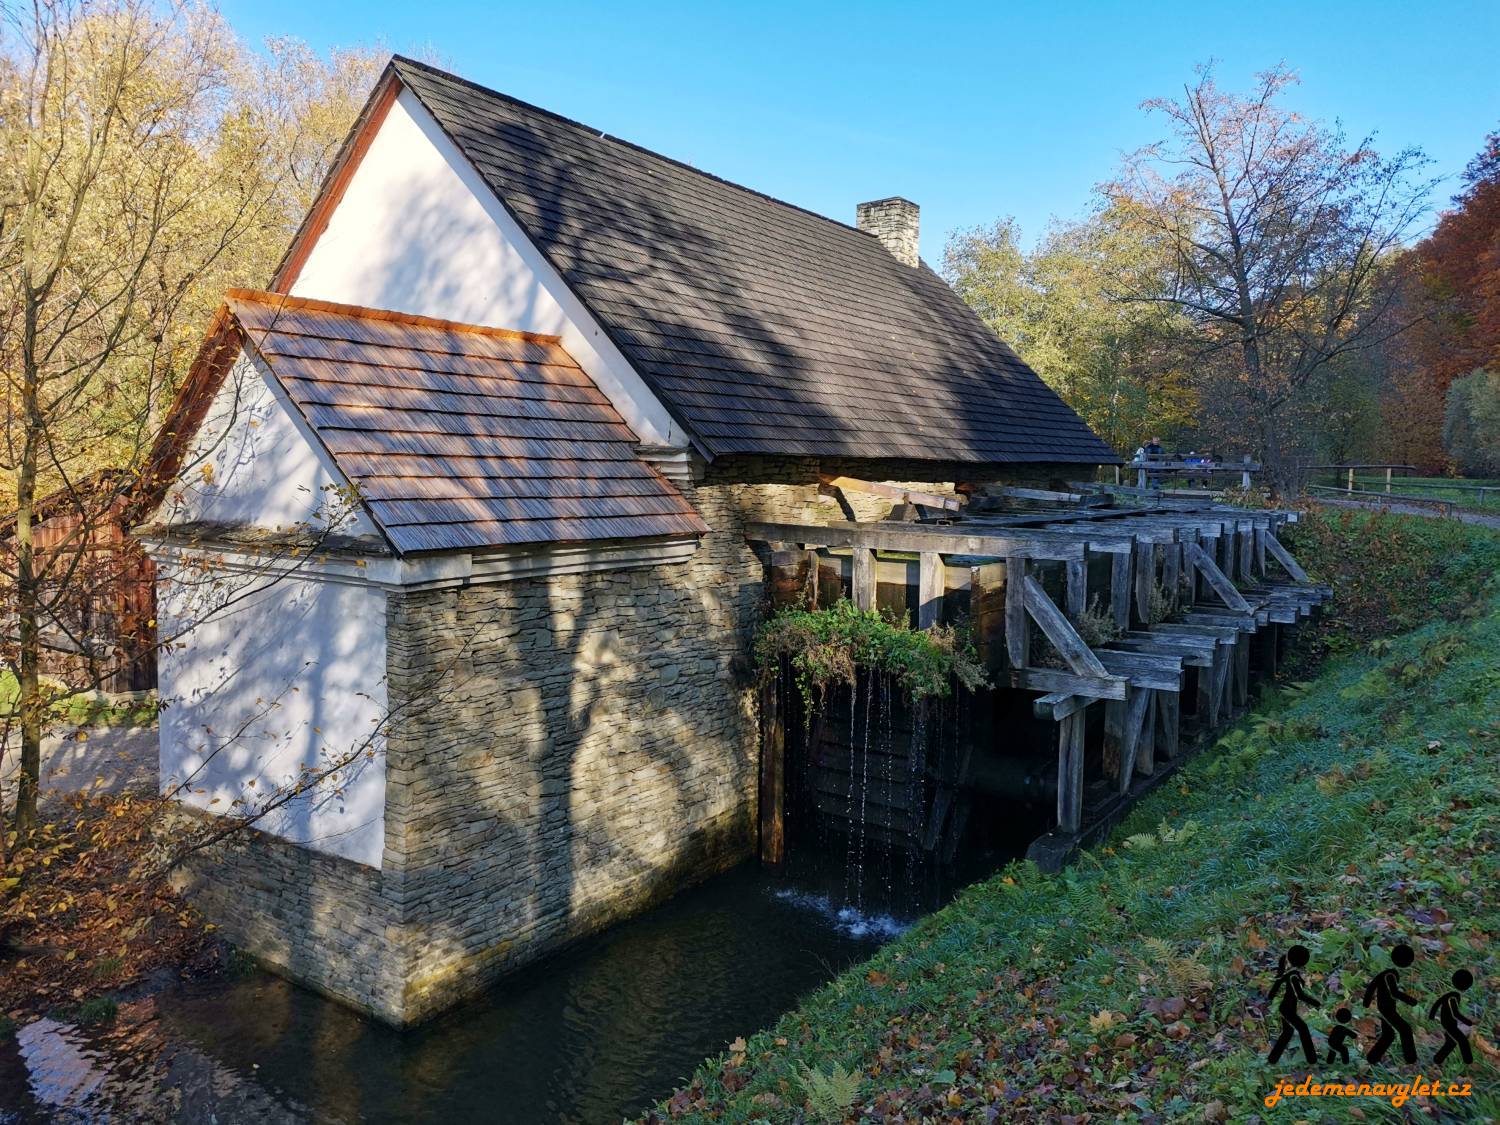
[863, 579]
[1132, 719]
[1245, 475]
[1070, 771]
[1077, 589]
[1145, 744]
[1245, 535]
[772, 776]
[929, 590]
[1145, 578]
[1017, 624]
[1115, 713]
[1168, 721]
[1387, 478]
[987, 610]
[1119, 589]
[1351, 478]
[1171, 572]
[1209, 688]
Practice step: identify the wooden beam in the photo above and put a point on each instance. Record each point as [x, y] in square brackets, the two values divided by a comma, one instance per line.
[1119, 589]
[1279, 552]
[1132, 721]
[1145, 579]
[915, 538]
[1145, 758]
[929, 590]
[1208, 699]
[1221, 585]
[1058, 705]
[1077, 587]
[1070, 733]
[772, 777]
[1163, 672]
[1055, 680]
[1017, 624]
[1060, 631]
[1168, 722]
[1033, 494]
[987, 609]
[894, 492]
[863, 580]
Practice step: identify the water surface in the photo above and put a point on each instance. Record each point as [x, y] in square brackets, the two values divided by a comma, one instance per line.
[590, 1036]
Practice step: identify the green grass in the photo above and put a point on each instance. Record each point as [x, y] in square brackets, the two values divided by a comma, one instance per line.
[1347, 814]
[1459, 490]
[84, 710]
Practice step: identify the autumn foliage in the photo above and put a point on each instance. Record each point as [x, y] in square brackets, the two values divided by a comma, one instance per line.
[85, 907]
[1452, 283]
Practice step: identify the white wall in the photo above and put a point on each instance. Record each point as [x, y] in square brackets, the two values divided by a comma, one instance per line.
[290, 678]
[254, 463]
[418, 231]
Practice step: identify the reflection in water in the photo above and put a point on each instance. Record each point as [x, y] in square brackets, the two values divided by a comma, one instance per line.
[591, 1036]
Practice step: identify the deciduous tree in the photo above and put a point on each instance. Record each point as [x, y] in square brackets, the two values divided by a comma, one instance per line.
[1278, 230]
[146, 161]
[1118, 364]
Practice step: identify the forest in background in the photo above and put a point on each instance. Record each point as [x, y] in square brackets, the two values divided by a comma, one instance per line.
[1248, 228]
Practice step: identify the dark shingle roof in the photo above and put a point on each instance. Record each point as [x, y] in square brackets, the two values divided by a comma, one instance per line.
[460, 438]
[763, 327]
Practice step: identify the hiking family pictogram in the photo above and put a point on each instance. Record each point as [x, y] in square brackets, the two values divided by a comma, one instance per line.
[1385, 995]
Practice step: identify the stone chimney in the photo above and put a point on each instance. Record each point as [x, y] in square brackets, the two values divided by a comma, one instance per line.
[894, 221]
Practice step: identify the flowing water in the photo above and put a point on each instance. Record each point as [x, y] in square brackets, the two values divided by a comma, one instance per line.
[589, 1036]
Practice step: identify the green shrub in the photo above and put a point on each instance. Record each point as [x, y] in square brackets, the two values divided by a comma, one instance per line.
[825, 646]
[1390, 573]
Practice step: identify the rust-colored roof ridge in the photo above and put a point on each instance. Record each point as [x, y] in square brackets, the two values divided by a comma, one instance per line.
[364, 312]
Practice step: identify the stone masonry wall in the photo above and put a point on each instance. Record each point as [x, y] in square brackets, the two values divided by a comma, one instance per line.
[320, 919]
[570, 750]
[561, 753]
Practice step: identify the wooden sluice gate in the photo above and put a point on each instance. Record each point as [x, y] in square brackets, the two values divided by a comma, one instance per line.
[1115, 639]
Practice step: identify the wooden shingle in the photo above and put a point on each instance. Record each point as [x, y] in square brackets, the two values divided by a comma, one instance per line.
[460, 437]
[764, 328]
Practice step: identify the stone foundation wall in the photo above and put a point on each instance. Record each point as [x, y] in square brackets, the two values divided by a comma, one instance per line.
[324, 921]
[562, 753]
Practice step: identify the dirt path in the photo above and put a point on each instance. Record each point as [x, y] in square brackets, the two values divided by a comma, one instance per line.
[1413, 510]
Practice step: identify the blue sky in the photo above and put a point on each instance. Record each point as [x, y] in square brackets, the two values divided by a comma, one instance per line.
[975, 111]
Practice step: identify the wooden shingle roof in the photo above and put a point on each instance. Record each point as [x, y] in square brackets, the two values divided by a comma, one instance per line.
[764, 328]
[460, 437]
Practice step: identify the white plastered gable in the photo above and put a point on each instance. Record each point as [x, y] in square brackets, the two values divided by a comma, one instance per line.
[254, 463]
[417, 230]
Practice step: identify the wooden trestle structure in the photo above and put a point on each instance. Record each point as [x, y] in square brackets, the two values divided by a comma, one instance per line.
[1196, 594]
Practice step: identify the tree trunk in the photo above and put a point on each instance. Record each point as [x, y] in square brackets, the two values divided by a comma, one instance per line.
[28, 635]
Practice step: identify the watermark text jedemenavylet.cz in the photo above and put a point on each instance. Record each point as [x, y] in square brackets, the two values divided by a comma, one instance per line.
[1397, 1093]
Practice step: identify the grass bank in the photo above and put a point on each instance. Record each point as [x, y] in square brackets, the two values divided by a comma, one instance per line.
[1349, 814]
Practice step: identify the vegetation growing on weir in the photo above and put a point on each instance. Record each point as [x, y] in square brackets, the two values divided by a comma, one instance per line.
[826, 646]
[1348, 814]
